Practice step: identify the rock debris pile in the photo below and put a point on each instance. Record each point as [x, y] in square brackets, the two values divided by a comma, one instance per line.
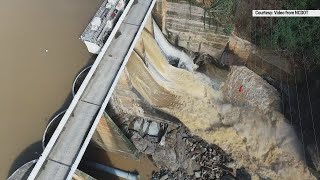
[180, 155]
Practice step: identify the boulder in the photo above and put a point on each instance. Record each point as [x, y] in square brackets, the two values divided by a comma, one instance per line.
[243, 87]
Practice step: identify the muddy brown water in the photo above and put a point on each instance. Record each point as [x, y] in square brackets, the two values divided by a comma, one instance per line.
[142, 166]
[36, 82]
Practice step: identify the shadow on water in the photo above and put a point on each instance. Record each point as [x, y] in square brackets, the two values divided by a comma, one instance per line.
[69, 98]
[116, 160]
[96, 155]
[34, 150]
[28, 154]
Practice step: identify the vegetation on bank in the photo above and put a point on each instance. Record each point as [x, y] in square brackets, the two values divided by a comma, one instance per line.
[298, 38]
[217, 12]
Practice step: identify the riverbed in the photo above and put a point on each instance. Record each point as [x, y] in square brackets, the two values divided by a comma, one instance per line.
[40, 54]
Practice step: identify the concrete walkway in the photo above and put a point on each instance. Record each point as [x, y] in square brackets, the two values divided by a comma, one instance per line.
[67, 145]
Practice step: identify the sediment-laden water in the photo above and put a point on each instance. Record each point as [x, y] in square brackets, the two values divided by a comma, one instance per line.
[40, 54]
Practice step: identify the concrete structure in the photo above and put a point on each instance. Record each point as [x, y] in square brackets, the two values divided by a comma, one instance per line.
[191, 27]
[102, 24]
[72, 136]
[23, 172]
[111, 139]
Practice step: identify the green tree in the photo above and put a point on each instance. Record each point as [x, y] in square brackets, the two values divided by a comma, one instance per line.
[298, 37]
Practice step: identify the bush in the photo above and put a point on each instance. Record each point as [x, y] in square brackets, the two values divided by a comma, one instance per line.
[298, 37]
[228, 29]
[218, 12]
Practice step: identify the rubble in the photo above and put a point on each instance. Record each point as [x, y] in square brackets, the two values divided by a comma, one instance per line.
[183, 156]
[144, 127]
[178, 153]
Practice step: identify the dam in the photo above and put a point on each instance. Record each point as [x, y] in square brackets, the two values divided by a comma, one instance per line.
[155, 92]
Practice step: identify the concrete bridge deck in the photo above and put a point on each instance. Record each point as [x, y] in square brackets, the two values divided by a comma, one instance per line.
[71, 138]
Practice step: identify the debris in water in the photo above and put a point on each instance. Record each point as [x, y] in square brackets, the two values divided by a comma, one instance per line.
[180, 155]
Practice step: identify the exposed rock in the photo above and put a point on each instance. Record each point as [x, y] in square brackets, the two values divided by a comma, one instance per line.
[165, 157]
[197, 174]
[242, 48]
[262, 62]
[171, 155]
[174, 175]
[146, 144]
[193, 166]
[151, 148]
[138, 124]
[164, 177]
[193, 158]
[245, 88]
[140, 143]
[146, 127]
[153, 129]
